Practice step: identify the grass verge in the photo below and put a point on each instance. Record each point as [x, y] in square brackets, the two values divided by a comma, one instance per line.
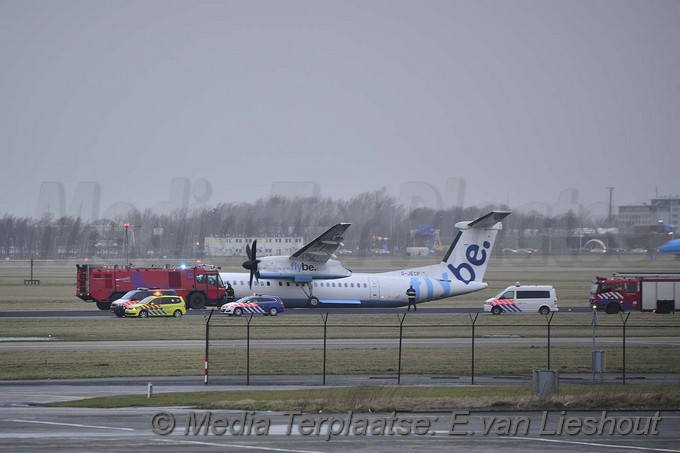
[401, 399]
[56, 364]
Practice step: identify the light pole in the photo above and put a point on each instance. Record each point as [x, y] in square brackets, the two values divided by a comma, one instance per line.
[127, 226]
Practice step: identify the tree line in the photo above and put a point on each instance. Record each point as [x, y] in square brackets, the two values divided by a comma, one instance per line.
[181, 234]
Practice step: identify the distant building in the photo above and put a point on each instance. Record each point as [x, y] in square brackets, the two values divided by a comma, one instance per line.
[266, 245]
[658, 211]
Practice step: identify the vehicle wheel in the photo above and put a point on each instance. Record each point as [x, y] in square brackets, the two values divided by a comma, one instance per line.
[238, 311]
[273, 311]
[119, 314]
[313, 302]
[544, 310]
[612, 309]
[197, 301]
[143, 314]
[496, 310]
[104, 305]
[115, 296]
[177, 314]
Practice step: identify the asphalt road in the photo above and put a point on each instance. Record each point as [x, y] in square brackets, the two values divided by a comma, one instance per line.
[63, 429]
[337, 343]
[26, 425]
[89, 312]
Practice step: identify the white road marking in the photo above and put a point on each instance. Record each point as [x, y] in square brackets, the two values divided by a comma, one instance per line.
[68, 424]
[594, 444]
[251, 447]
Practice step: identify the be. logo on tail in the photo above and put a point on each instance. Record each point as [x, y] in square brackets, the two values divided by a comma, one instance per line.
[475, 257]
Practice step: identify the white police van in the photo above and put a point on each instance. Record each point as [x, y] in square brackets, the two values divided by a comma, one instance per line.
[523, 299]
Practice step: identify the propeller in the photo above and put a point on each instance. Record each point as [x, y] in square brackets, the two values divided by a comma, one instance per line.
[252, 261]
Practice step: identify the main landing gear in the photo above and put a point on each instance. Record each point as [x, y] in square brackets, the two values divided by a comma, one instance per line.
[312, 301]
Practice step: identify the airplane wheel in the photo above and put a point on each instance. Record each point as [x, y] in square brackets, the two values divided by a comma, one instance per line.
[496, 310]
[313, 302]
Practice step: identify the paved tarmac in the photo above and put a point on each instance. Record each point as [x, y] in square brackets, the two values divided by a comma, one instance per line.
[24, 425]
[90, 311]
[338, 343]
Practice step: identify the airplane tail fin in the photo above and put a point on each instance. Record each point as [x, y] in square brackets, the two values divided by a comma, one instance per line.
[468, 256]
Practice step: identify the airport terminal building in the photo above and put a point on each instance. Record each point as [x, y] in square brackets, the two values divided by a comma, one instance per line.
[659, 211]
[266, 245]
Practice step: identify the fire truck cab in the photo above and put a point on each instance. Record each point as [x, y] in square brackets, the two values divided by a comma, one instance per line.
[655, 292]
[198, 285]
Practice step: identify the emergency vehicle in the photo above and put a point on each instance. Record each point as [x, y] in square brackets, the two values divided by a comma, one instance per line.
[638, 291]
[198, 285]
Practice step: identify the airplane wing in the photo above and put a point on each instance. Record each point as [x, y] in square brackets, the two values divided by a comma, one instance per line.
[321, 248]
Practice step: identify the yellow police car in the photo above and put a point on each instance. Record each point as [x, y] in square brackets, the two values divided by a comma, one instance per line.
[157, 306]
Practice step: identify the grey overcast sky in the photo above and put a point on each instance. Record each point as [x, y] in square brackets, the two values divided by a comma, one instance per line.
[521, 99]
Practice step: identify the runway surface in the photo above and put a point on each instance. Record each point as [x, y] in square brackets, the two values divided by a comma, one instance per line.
[92, 312]
[62, 429]
[338, 343]
[24, 425]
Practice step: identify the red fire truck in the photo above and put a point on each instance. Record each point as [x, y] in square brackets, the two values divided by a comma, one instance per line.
[199, 285]
[639, 291]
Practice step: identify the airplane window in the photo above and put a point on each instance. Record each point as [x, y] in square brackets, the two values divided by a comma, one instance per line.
[333, 285]
[345, 285]
[352, 285]
[287, 283]
[280, 283]
[365, 285]
[268, 283]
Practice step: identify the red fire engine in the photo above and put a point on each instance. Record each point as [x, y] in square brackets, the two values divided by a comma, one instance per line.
[199, 285]
[640, 291]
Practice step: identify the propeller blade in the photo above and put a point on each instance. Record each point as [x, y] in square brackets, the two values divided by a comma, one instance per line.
[252, 261]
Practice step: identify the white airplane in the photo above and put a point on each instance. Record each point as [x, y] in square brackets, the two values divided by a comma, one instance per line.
[310, 278]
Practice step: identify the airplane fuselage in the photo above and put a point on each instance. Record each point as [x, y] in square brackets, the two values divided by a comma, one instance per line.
[360, 289]
[300, 281]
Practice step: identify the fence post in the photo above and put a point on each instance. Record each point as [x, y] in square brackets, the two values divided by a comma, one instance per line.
[625, 320]
[401, 330]
[207, 346]
[552, 313]
[250, 318]
[325, 325]
[472, 373]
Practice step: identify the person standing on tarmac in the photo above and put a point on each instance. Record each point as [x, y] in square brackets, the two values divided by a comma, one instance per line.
[411, 294]
[230, 293]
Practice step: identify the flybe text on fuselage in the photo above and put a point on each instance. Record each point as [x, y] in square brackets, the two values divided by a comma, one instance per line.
[302, 266]
[272, 268]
